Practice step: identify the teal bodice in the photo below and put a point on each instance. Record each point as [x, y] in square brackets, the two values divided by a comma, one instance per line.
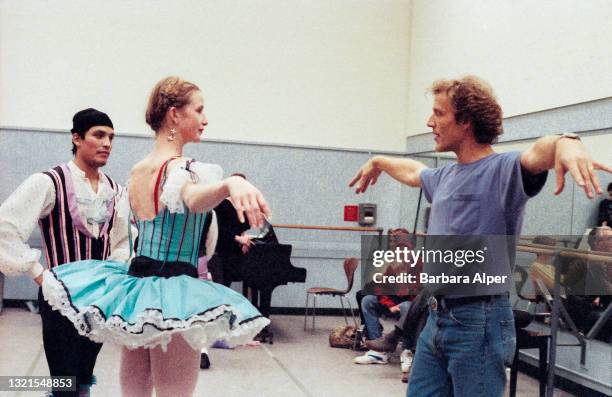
[171, 237]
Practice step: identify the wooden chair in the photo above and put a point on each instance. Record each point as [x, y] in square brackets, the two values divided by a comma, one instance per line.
[350, 265]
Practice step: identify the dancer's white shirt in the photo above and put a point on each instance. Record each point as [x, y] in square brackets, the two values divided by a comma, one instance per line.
[35, 198]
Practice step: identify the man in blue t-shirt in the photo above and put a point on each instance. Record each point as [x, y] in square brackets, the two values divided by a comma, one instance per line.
[469, 337]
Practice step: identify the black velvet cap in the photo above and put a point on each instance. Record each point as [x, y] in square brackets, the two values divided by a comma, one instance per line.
[87, 118]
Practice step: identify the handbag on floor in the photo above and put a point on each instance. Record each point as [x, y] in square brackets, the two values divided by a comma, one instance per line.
[345, 336]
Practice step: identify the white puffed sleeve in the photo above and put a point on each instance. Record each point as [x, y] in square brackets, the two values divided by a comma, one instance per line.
[19, 215]
[207, 172]
[202, 173]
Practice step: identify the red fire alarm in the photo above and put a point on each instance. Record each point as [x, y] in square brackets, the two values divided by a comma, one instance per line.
[351, 213]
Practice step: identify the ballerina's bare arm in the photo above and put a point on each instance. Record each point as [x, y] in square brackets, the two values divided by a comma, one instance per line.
[246, 198]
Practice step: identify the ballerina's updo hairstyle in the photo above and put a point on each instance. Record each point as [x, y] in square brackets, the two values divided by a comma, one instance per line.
[169, 92]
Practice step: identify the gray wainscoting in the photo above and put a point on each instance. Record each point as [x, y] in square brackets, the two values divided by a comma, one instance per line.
[302, 185]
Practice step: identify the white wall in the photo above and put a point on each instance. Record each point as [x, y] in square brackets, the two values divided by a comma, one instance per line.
[341, 73]
[536, 54]
[314, 72]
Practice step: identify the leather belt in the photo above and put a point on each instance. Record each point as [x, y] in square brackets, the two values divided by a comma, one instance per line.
[449, 303]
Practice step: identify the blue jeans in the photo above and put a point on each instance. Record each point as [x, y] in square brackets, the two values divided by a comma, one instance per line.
[462, 351]
[372, 310]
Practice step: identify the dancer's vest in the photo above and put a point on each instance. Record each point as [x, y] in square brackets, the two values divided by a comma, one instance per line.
[65, 236]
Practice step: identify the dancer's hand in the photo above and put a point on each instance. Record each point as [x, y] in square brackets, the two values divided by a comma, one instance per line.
[571, 155]
[39, 279]
[367, 175]
[248, 200]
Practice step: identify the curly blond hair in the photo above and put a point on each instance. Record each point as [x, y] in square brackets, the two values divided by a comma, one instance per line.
[169, 92]
[473, 102]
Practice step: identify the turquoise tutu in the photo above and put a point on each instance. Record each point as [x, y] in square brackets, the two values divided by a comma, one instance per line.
[107, 305]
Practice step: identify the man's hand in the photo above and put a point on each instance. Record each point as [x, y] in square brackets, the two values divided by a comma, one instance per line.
[406, 171]
[367, 175]
[39, 279]
[395, 309]
[571, 155]
[245, 242]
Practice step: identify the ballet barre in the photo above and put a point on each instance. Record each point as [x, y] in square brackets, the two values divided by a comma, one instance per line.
[599, 256]
[564, 241]
[378, 230]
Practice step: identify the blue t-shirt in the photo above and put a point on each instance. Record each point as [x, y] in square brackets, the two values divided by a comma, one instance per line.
[486, 197]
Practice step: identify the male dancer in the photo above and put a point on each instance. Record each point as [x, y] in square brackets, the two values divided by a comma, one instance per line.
[76, 208]
[462, 350]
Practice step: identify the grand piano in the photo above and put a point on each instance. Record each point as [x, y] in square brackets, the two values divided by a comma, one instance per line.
[267, 265]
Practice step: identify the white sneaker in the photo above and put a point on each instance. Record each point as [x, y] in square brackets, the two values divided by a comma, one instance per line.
[406, 360]
[372, 357]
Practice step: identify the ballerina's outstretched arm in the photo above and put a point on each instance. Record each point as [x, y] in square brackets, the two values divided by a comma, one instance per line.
[246, 198]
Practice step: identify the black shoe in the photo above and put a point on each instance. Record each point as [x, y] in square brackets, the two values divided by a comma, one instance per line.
[204, 361]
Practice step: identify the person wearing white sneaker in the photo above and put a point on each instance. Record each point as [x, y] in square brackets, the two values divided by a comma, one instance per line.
[406, 360]
[372, 357]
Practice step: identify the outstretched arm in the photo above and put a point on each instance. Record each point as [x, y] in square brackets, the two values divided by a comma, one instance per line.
[564, 154]
[246, 198]
[406, 171]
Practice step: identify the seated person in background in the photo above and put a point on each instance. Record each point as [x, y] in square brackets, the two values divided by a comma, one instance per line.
[542, 268]
[604, 215]
[374, 306]
[589, 287]
[408, 329]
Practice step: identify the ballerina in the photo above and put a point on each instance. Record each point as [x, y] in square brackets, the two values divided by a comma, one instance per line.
[156, 307]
